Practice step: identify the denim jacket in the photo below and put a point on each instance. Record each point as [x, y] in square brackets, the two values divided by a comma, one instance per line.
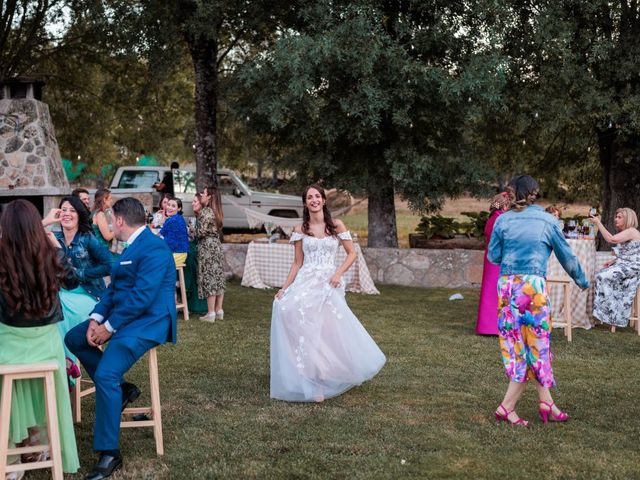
[521, 243]
[91, 261]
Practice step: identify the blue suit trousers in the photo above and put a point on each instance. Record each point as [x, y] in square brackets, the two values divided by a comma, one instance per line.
[107, 369]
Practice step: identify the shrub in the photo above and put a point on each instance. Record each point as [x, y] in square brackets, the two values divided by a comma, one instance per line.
[437, 225]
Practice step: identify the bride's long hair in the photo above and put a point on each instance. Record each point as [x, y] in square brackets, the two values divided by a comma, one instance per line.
[329, 227]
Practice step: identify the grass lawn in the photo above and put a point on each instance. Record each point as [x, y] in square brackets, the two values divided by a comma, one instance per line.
[428, 414]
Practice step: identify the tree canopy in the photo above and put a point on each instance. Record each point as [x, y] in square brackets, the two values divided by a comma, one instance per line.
[419, 99]
[375, 97]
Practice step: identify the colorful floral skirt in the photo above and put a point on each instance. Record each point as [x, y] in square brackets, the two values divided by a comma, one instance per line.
[524, 326]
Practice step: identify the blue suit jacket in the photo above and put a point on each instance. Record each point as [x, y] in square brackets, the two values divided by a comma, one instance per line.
[140, 301]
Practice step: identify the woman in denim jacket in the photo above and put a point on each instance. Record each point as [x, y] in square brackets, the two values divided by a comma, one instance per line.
[90, 259]
[521, 243]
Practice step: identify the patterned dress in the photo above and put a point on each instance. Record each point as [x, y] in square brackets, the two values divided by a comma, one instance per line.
[211, 279]
[616, 286]
[524, 325]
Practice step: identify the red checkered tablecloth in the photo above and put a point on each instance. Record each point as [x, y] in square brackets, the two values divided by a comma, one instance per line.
[267, 265]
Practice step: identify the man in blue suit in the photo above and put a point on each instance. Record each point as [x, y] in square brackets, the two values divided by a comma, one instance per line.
[137, 313]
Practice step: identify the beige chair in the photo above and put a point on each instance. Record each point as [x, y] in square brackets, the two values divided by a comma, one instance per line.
[635, 312]
[10, 373]
[565, 283]
[181, 301]
[154, 412]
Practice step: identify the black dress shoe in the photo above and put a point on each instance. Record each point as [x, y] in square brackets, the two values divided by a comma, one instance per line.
[129, 393]
[105, 467]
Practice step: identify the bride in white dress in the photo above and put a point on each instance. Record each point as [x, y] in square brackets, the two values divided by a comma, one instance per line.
[319, 349]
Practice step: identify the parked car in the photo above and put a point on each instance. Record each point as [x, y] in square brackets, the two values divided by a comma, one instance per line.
[231, 186]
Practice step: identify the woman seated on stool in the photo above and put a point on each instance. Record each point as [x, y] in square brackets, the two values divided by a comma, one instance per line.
[32, 270]
[90, 259]
[617, 284]
[175, 232]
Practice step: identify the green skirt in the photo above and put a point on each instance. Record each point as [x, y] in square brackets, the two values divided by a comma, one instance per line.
[37, 345]
[77, 305]
[196, 304]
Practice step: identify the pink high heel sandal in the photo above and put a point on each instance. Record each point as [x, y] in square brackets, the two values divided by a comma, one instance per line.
[504, 417]
[546, 415]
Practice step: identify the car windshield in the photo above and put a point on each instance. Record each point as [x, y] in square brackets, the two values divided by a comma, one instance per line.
[184, 181]
[242, 184]
[138, 179]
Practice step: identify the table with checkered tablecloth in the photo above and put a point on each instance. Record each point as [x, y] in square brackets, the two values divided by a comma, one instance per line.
[267, 265]
[581, 300]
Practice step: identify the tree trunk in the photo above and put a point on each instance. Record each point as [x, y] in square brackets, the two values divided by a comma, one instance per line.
[204, 56]
[381, 213]
[260, 167]
[620, 163]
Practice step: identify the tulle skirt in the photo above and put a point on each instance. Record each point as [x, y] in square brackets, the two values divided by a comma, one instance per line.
[319, 349]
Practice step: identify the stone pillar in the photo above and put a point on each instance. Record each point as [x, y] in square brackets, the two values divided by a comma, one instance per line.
[29, 155]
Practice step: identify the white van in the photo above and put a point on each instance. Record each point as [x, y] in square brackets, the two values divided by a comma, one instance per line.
[231, 186]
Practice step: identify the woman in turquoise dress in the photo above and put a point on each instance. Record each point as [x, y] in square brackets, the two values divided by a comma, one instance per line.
[89, 257]
[33, 269]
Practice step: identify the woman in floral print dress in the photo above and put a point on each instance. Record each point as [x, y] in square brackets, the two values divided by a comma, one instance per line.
[617, 284]
[521, 243]
[211, 281]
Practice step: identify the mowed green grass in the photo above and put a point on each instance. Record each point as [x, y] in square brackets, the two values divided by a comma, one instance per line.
[428, 414]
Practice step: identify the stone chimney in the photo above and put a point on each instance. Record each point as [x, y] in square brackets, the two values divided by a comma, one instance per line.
[30, 163]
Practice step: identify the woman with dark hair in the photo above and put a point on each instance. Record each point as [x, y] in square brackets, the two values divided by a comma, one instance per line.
[175, 232]
[522, 241]
[487, 323]
[211, 281]
[161, 215]
[319, 349]
[101, 224]
[90, 259]
[32, 270]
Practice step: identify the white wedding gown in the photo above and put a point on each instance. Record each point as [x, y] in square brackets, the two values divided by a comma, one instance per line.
[319, 349]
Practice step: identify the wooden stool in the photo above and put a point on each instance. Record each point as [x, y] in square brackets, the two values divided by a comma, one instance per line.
[23, 372]
[154, 411]
[565, 282]
[635, 312]
[78, 393]
[182, 304]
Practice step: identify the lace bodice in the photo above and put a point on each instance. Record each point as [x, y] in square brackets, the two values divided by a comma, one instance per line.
[319, 252]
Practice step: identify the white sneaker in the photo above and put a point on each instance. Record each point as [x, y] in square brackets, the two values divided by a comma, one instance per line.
[209, 317]
[219, 314]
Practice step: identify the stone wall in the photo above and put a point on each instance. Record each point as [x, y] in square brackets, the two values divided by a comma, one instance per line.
[412, 267]
[388, 266]
[425, 268]
[234, 256]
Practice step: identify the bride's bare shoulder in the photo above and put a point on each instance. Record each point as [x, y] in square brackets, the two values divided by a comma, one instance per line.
[340, 227]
